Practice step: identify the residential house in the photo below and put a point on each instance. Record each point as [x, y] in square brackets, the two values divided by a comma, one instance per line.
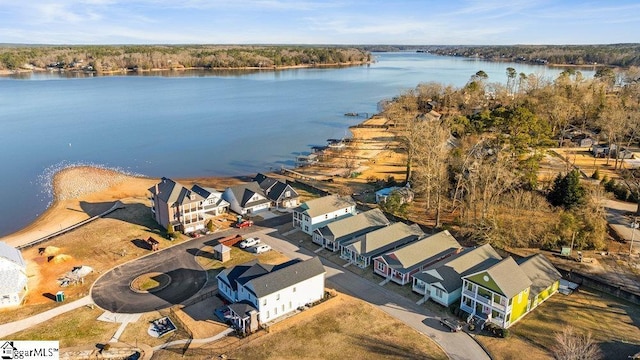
[319, 212]
[333, 234]
[268, 292]
[405, 194]
[281, 194]
[400, 264]
[362, 249]
[442, 281]
[187, 210]
[544, 277]
[498, 294]
[246, 198]
[13, 276]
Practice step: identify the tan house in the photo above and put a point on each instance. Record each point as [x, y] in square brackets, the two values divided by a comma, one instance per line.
[188, 210]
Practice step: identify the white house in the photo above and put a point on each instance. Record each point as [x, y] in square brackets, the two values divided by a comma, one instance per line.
[13, 276]
[246, 198]
[317, 213]
[333, 234]
[272, 290]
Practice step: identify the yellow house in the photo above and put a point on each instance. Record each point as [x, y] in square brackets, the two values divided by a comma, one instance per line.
[508, 290]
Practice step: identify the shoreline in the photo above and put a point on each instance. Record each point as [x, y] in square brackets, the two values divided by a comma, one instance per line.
[82, 191]
[6, 72]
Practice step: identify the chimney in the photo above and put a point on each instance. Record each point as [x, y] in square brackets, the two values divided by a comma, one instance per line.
[157, 189]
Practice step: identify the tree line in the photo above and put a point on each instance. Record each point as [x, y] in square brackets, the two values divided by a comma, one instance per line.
[621, 55]
[475, 152]
[147, 57]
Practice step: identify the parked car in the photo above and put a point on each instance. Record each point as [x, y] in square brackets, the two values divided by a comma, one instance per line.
[249, 242]
[452, 325]
[224, 314]
[244, 224]
[261, 249]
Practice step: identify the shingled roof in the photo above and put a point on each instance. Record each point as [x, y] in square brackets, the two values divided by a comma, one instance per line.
[12, 278]
[172, 192]
[422, 252]
[284, 277]
[354, 225]
[541, 272]
[449, 272]
[325, 205]
[507, 276]
[244, 192]
[384, 239]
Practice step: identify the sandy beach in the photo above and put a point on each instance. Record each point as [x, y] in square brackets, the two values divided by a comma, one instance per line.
[82, 192]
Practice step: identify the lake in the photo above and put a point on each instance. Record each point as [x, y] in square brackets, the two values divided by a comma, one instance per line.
[195, 123]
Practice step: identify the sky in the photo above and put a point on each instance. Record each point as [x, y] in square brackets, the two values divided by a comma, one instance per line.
[356, 22]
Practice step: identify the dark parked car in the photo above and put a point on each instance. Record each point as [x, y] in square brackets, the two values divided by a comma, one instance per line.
[452, 325]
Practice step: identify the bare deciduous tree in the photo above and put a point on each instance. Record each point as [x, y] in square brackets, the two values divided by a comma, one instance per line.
[571, 345]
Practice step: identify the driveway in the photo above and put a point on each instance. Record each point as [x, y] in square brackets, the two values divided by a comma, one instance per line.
[457, 345]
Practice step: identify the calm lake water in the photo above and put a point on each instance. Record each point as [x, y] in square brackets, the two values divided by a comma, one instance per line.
[195, 123]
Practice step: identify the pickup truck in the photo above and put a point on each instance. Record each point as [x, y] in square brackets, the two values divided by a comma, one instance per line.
[244, 224]
[452, 325]
[249, 242]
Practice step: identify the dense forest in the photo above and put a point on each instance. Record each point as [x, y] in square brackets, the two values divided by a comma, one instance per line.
[621, 55]
[476, 162]
[147, 57]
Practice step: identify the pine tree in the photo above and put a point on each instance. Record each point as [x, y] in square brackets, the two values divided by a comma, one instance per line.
[567, 191]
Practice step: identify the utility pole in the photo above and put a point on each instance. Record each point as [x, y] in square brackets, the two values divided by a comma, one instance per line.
[634, 226]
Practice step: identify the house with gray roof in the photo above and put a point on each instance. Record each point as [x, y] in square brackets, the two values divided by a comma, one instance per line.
[497, 294]
[400, 264]
[273, 290]
[442, 281]
[319, 212]
[281, 194]
[13, 276]
[545, 278]
[246, 198]
[361, 250]
[335, 233]
[188, 210]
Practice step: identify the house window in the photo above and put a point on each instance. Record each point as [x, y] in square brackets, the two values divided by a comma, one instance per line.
[438, 292]
[346, 210]
[289, 304]
[467, 301]
[294, 289]
[275, 311]
[469, 286]
[282, 307]
[264, 302]
[326, 216]
[278, 297]
[287, 193]
[306, 228]
[519, 298]
[380, 265]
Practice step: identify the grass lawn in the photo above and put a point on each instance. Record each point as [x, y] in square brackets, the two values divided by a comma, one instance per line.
[75, 328]
[342, 327]
[613, 323]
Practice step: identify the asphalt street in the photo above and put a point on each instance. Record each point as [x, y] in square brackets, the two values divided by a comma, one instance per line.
[112, 291]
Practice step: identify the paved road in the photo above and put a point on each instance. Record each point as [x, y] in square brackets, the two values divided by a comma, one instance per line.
[112, 291]
[456, 345]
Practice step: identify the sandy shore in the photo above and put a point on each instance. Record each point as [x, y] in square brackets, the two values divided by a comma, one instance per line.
[82, 192]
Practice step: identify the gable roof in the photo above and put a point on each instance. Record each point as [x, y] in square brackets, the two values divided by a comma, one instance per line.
[209, 193]
[325, 205]
[244, 192]
[278, 190]
[506, 275]
[427, 250]
[385, 239]
[355, 225]
[172, 192]
[541, 272]
[285, 276]
[12, 254]
[449, 272]
[12, 279]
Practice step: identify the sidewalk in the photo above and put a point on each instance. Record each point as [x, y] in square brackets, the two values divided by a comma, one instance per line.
[14, 327]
